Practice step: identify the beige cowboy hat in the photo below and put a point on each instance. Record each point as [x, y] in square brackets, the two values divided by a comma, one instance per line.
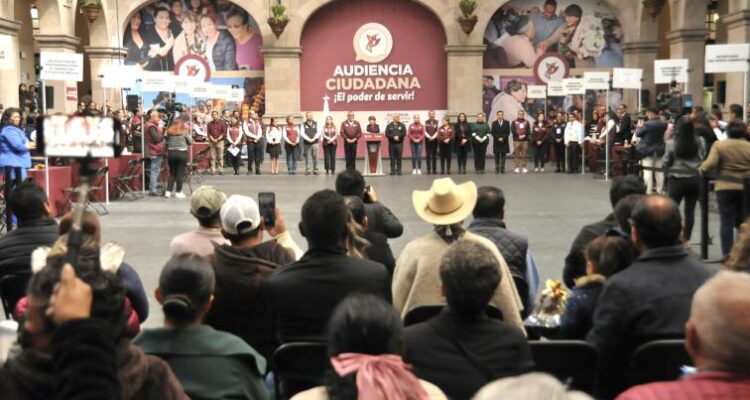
[445, 203]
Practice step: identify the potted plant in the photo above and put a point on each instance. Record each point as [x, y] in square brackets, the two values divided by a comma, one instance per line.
[279, 19]
[32, 2]
[91, 8]
[467, 20]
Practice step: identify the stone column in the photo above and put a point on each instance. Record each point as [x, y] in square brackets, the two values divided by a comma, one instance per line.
[282, 80]
[464, 80]
[641, 55]
[690, 44]
[10, 78]
[99, 57]
[738, 31]
[65, 44]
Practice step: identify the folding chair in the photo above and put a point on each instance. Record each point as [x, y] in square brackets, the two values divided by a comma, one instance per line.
[125, 183]
[72, 194]
[573, 362]
[658, 360]
[424, 313]
[193, 171]
[298, 367]
[12, 289]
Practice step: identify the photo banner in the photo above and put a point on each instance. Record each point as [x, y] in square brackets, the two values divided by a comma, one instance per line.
[555, 89]
[627, 78]
[598, 80]
[573, 86]
[721, 58]
[61, 66]
[536, 92]
[666, 71]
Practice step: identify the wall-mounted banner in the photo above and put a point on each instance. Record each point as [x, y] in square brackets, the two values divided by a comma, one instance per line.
[61, 66]
[727, 58]
[7, 61]
[536, 92]
[157, 82]
[596, 80]
[119, 76]
[573, 86]
[627, 78]
[555, 89]
[667, 71]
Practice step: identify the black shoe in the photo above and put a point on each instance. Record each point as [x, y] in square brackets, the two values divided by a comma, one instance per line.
[153, 194]
[221, 173]
[399, 173]
[257, 171]
[249, 172]
[391, 173]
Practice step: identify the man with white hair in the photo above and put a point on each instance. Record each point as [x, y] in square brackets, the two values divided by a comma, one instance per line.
[718, 342]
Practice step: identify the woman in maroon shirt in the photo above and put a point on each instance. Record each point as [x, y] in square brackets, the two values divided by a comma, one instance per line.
[539, 142]
[234, 136]
[416, 140]
[445, 145]
[330, 141]
[291, 145]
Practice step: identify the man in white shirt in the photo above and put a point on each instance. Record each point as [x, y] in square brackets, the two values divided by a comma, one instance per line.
[574, 134]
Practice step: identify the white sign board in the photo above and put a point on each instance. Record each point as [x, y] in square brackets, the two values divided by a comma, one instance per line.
[573, 86]
[727, 58]
[237, 95]
[627, 78]
[536, 91]
[183, 84]
[596, 80]
[222, 92]
[555, 89]
[201, 90]
[666, 71]
[157, 82]
[61, 66]
[119, 76]
[7, 60]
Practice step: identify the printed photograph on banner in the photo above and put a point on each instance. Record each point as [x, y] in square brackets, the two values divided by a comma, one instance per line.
[160, 35]
[586, 33]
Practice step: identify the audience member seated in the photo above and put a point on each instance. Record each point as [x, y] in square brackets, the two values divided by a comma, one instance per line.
[575, 262]
[416, 280]
[651, 298]
[205, 204]
[352, 183]
[739, 257]
[210, 364]
[462, 349]
[375, 245]
[365, 343]
[716, 337]
[30, 375]
[624, 209]
[304, 294]
[35, 228]
[111, 257]
[489, 222]
[241, 268]
[605, 256]
[531, 386]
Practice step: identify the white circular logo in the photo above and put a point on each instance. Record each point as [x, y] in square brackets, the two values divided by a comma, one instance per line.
[372, 43]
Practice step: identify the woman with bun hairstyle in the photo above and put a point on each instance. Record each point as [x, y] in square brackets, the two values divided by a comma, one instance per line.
[209, 363]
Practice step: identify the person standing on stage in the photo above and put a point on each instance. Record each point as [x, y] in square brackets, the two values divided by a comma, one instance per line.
[311, 136]
[253, 133]
[234, 137]
[445, 143]
[540, 142]
[330, 142]
[462, 135]
[625, 127]
[273, 147]
[557, 135]
[500, 141]
[416, 139]
[291, 145]
[431, 142]
[351, 131]
[480, 135]
[574, 134]
[520, 130]
[157, 147]
[217, 131]
[395, 132]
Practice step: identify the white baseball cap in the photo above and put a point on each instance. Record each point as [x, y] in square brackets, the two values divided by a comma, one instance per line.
[240, 214]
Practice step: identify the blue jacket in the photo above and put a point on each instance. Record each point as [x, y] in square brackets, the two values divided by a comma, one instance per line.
[13, 151]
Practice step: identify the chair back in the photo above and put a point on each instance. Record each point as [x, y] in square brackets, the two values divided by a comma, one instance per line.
[658, 360]
[12, 289]
[573, 362]
[298, 367]
[424, 313]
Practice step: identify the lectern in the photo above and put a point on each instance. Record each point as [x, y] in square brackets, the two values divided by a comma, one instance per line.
[374, 160]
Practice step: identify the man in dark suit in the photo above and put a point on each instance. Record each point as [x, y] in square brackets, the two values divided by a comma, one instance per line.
[395, 132]
[462, 349]
[303, 294]
[650, 299]
[352, 183]
[500, 146]
[625, 129]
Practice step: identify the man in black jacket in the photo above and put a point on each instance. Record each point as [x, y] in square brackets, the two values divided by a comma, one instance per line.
[395, 132]
[381, 219]
[625, 129]
[500, 145]
[303, 294]
[462, 349]
[650, 299]
[35, 228]
[575, 262]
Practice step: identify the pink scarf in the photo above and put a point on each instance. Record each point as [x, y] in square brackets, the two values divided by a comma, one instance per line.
[381, 377]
